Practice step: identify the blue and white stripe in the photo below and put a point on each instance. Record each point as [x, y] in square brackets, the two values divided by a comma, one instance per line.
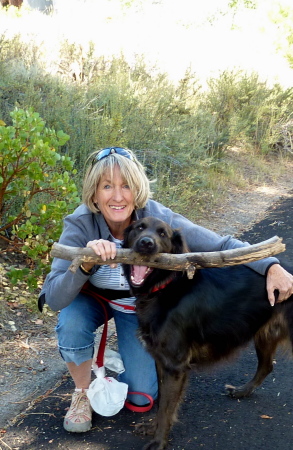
[107, 278]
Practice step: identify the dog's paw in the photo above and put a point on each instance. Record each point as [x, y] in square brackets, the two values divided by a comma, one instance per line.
[146, 429]
[239, 392]
[229, 389]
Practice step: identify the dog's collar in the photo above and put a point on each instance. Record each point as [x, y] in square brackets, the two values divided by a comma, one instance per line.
[162, 285]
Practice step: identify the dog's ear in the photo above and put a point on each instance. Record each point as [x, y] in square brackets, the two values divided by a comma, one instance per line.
[178, 242]
[126, 235]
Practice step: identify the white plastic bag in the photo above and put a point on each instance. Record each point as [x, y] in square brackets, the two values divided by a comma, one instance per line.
[107, 395]
[112, 360]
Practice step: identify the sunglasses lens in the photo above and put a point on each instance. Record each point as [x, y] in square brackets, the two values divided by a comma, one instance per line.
[108, 151]
[123, 152]
[102, 154]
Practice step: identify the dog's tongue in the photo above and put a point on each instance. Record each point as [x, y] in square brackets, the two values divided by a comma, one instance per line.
[138, 274]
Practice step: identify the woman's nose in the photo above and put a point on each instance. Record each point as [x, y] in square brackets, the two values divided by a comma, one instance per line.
[117, 195]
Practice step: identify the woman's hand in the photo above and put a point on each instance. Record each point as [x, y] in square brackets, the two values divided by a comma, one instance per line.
[278, 279]
[103, 248]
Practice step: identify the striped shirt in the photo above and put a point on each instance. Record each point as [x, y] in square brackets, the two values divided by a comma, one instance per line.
[107, 278]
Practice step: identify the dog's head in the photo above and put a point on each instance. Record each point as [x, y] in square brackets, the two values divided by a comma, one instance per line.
[147, 237]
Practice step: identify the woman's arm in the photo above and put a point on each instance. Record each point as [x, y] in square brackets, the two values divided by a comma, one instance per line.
[200, 239]
[61, 285]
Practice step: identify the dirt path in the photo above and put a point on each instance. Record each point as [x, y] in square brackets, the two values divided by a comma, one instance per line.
[244, 207]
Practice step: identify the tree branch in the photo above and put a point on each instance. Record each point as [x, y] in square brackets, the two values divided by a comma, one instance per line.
[185, 261]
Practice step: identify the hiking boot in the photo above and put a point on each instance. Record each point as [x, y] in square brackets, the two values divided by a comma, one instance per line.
[78, 418]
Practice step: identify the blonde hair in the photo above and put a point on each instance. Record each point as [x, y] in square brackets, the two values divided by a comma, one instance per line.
[132, 172]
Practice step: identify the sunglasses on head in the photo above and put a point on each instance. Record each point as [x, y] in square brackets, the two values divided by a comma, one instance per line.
[109, 151]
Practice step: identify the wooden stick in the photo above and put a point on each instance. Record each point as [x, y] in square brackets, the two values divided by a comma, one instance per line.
[185, 261]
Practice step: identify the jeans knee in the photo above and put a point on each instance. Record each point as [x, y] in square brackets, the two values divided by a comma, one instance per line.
[72, 335]
[78, 322]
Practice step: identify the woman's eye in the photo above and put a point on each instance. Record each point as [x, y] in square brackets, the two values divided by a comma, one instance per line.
[126, 186]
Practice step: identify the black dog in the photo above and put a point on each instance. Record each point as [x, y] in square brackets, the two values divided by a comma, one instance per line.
[189, 324]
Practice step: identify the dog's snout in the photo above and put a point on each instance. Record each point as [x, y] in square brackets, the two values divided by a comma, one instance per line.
[145, 245]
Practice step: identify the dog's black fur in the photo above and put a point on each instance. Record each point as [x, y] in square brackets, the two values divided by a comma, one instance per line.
[195, 323]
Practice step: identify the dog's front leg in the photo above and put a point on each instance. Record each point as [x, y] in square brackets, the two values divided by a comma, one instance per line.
[171, 391]
[149, 429]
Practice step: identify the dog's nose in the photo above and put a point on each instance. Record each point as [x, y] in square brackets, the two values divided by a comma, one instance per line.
[145, 244]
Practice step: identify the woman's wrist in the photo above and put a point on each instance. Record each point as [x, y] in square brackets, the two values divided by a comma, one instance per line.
[85, 270]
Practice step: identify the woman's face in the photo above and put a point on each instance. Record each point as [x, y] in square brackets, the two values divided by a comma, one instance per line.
[115, 200]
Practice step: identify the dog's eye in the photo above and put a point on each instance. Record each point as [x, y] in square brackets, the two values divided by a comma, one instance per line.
[162, 233]
[140, 228]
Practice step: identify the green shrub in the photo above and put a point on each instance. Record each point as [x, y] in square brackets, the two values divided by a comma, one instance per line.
[179, 131]
[36, 189]
[247, 110]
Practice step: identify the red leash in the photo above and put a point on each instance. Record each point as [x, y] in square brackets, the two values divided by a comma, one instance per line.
[101, 351]
[139, 409]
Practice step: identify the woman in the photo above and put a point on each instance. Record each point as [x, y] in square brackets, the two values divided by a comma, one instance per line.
[116, 192]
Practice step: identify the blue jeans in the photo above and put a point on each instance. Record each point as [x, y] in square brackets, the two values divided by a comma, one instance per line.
[76, 326]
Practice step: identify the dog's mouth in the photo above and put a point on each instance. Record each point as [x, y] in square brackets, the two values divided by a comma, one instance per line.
[139, 274]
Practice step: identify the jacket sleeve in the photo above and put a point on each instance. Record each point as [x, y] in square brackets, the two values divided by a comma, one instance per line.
[61, 285]
[200, 239]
